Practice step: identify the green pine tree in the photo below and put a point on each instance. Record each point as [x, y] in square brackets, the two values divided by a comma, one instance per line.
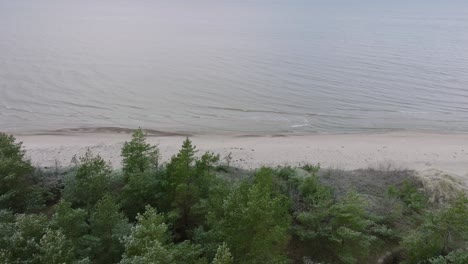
[108, 225]
[138, 156]
[90, 182]
[188, 181]
[255, 222]
[55, 248]
[16, 184]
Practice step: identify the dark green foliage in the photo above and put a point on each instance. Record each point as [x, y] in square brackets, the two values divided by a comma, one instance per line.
[7, 220]
[90, 182]
[74, 225]
[17, 190]
[149, 242]
[313, 213]
[96, 236]
[218, 215]
[342, 229]
[22, 238]
[351, 229]
[255, 222]
[414, 200]
[143, 182]
[188, 183]
[138, 156]
[108, 225]
[440, 232]
[188, 253]
[31, 239]
[213, 206]
[454, 257]
[141, 189]
[73, 222]
[313, 169]
[13, 172]
[403, 208]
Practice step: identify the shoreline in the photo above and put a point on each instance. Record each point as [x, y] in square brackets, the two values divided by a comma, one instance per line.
[419, 151]
[167, 133]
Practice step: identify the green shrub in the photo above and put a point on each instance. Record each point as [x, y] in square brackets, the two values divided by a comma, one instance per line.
[455, 257]
[440, 232]
[313, 169]
[17, 190]
[414, 199]
[343, 229]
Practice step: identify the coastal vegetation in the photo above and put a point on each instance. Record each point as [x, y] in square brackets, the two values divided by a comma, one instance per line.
[198, 209]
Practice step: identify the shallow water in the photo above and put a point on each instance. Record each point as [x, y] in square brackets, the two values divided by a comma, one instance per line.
[251, 66]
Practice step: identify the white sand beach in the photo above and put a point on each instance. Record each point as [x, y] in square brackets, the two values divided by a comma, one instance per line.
[404, 150]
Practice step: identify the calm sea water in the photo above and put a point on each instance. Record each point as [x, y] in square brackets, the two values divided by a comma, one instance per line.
[245, 66]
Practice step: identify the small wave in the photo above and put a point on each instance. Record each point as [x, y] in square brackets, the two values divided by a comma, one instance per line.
[259, 111]
[114, 130]
[299, 125]
[414, 112]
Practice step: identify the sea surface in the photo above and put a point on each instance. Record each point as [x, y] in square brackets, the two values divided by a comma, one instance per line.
[244, 66]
